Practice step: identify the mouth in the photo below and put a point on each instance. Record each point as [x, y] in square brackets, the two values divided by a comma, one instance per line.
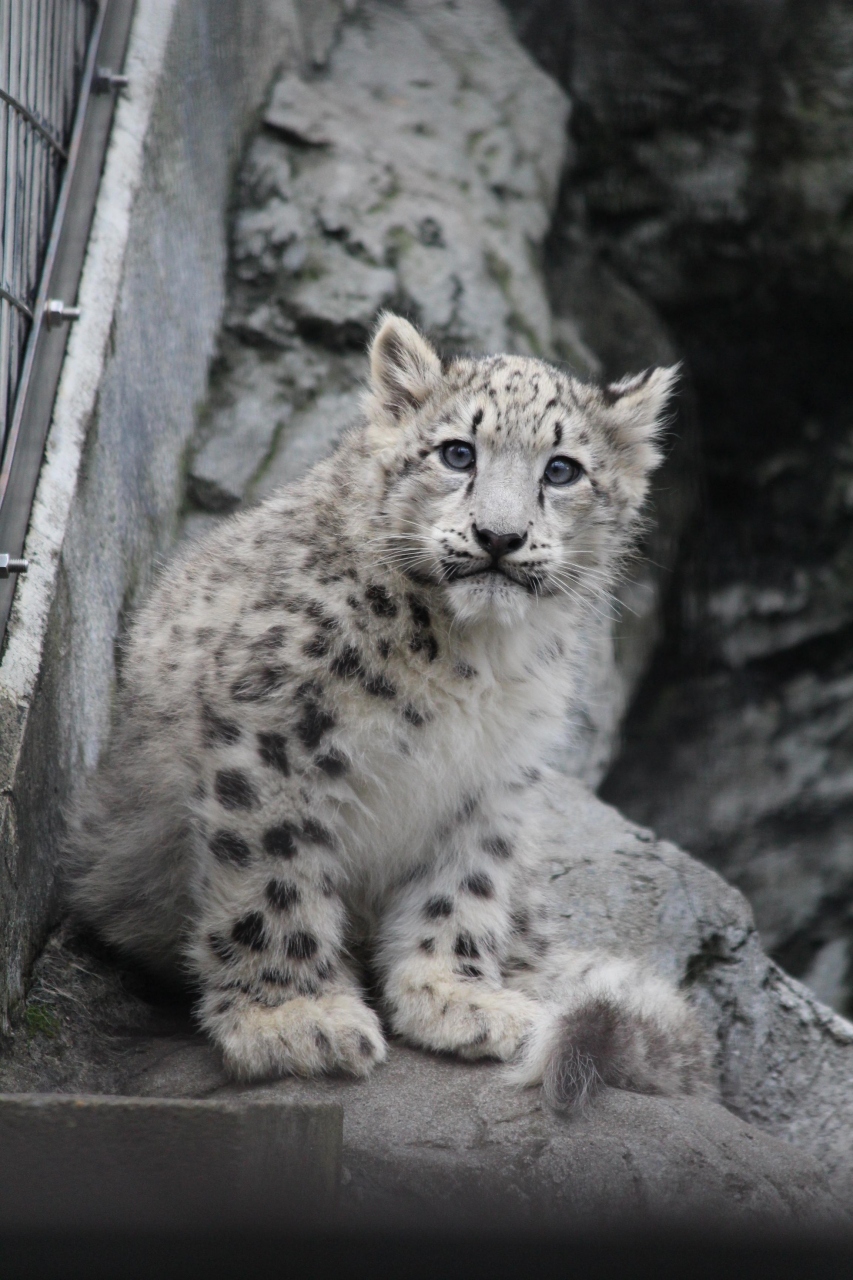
[456, 573]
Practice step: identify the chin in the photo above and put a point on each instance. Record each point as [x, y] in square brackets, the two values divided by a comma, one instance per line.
[490, 597]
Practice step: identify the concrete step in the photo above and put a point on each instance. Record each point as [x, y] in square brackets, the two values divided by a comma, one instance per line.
[101, 1163]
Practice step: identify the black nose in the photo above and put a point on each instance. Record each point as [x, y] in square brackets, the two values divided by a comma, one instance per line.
[499, 544]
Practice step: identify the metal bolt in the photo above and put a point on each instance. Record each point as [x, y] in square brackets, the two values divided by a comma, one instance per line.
[56, 313]
[8, 565]
[105, 80]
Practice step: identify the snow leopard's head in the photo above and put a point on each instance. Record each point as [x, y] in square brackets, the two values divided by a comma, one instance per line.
[504, 479]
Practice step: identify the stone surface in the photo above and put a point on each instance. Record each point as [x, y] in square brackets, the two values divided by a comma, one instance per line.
[427, 1134]
[760, 785]
[427, 1137]
[254, 409]
[713, 140]
[310, 435]
[786, 1061]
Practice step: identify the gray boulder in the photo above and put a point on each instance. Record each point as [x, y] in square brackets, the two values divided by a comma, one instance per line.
[714, 139]
[786, 1061]
[428, 1139]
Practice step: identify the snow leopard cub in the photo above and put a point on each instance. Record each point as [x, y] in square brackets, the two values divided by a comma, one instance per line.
[334, 719]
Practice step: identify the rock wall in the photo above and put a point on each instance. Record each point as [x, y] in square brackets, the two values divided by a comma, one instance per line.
[713, 176]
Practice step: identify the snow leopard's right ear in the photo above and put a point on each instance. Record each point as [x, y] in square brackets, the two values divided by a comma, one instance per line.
[404, 368]
[635, 415]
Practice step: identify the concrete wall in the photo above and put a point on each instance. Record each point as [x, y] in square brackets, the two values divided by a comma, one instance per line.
[135, 369]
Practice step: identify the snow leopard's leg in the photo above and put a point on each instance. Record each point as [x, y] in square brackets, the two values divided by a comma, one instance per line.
[278, 996]
[441, 940]
[609, 1021]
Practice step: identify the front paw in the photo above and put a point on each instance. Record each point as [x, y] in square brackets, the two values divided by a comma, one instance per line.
[303, 1037]
[454, 1016]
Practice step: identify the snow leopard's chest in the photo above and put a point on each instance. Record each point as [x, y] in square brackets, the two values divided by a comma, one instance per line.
[479, 738]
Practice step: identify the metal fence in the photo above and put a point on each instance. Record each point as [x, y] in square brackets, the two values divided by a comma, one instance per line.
[43, 47]
[57, 88]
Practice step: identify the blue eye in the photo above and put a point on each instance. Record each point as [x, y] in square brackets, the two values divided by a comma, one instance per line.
[458, 455]
[563, 471]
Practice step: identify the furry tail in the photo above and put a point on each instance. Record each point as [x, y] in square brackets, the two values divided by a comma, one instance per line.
[617, 1026]
[128, 849]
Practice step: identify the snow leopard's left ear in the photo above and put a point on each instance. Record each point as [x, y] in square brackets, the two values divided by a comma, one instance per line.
[635, 413]
[404, 368]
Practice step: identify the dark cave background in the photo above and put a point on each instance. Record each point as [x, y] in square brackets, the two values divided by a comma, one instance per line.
[713, 176]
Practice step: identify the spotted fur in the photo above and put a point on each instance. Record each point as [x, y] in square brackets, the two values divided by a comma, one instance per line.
[335, 717]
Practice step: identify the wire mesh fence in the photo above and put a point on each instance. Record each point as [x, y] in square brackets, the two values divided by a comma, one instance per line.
[43, 48]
